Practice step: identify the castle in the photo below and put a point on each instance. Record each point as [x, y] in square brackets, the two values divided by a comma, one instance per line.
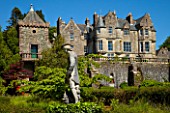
[111, 36]
[108, 35]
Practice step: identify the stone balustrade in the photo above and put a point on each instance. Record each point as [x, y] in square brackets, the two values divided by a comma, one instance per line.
[30, 56]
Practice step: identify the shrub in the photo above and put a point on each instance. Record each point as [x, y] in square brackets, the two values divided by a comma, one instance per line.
[51, 86]
[86, 107]
[123, 85]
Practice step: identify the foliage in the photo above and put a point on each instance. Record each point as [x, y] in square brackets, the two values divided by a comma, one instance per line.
[54, 57]
[40, 14]
[166, 43]
[85, 65]
[12, 40]
[52, 30]
[152, 83]
[6, 56]
[50, 84]
[159, 95]
[3, 89]
[123, 85]
[16, 71]
[101, 77]
[15, 15]
[85, 107]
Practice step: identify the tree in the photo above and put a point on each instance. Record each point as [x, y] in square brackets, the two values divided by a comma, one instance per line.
[15, 15]
[40, 14]
[166, 43]
[11, 38]
[6, 56]
[55, 56]
[52, 30]
[16, 71]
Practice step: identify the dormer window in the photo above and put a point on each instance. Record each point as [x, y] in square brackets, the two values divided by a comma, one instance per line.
[146, 32]
[126, 32]
[110, 30]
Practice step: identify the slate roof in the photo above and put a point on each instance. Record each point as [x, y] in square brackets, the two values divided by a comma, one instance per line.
[82, 27]
[121, 23]
[139, 20]
[33, 17]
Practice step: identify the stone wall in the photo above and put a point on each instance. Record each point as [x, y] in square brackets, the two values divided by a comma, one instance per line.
[155, 71]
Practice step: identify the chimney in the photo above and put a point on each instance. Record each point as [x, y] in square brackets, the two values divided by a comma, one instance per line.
[95, 19]
[59, 23]
[87, 22]
[129, 18]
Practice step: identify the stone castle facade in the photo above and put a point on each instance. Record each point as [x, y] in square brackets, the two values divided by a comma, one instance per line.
[108, 35]
[111, 36]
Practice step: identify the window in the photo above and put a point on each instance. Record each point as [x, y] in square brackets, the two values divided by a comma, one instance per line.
[100, 45]
[34, 31]
[72, 46]
[71, 36]
[99, 30]
[147, 46]
[85, 49]
[85, 36]
[110, 54]
[71, 27]
[146, 32]
[126, 32]
[127, 46]
[110, 30]
[141, 46]
[141, 32]
[110, 46]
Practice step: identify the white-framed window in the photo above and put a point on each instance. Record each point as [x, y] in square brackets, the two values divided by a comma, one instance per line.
[110, 30]
[127, 46]
[110, 46]
[147, 46]
[141, 46]
[126, 32]
[146, 32]
[100, 45]
[71, 36]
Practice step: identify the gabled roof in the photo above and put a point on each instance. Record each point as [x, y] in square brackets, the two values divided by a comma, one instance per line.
[139, 19]
[82, 27]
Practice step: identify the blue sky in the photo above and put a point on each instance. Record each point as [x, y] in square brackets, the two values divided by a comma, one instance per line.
[80, 9]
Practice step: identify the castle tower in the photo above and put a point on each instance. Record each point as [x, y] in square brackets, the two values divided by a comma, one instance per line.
[33, 36]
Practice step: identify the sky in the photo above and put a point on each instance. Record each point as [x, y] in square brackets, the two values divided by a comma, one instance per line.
[159, 11]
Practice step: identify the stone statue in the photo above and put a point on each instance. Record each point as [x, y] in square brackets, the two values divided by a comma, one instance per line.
[72, 77]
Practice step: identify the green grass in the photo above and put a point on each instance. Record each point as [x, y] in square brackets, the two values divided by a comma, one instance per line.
[30, 104]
